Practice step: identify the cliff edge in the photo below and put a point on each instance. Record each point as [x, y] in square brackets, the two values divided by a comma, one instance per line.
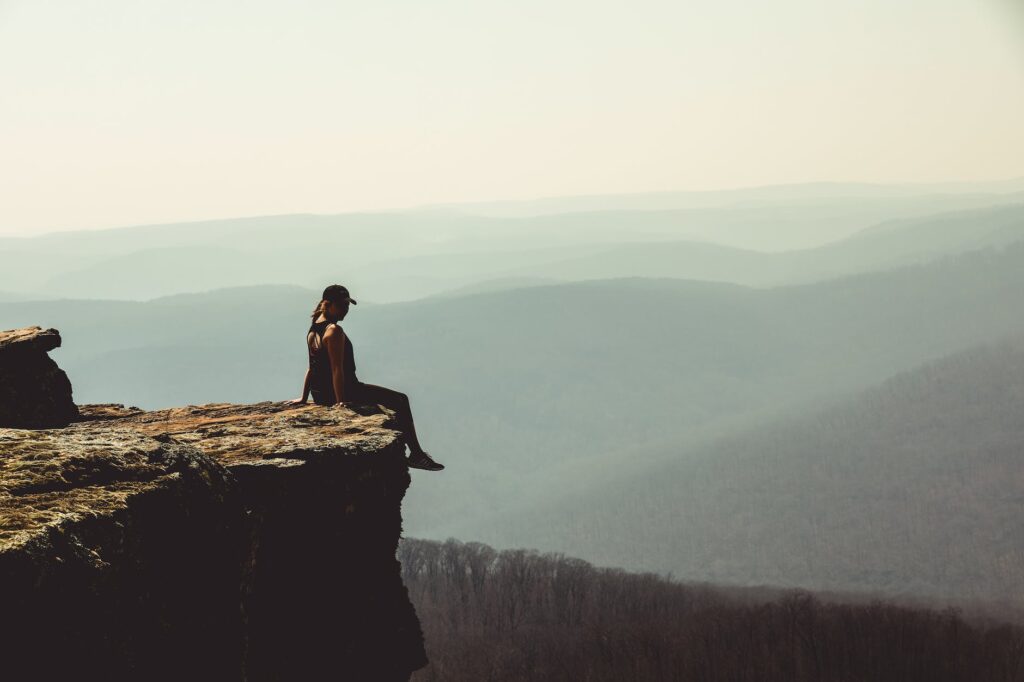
[214, 542]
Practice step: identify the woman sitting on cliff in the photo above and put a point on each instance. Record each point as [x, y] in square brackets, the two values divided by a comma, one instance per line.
[331, 377]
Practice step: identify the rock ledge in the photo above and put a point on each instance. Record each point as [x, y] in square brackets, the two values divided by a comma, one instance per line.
[228, 542]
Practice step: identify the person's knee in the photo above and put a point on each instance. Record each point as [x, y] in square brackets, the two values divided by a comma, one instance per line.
[391, 397]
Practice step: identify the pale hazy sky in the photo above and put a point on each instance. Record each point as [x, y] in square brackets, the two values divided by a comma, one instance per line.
[117, 112]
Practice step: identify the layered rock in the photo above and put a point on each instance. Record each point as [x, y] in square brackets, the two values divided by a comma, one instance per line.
[34, 391]
[218, 542]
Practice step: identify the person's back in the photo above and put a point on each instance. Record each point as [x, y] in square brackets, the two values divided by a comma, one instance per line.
[321, 385]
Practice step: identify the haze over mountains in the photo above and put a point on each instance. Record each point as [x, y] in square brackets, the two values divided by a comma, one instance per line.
[865, 193]
[409, 255]
[639, 384]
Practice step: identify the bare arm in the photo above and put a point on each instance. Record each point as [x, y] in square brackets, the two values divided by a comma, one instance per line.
[334, 338]
[305, 390]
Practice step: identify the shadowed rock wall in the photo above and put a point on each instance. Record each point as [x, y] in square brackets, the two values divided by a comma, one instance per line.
[219, 542]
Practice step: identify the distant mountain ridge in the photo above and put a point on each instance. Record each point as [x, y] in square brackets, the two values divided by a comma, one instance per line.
[786, 193]
[408, 256]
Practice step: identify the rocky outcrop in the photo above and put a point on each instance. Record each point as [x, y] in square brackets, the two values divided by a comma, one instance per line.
[34, 391]
[214, 542]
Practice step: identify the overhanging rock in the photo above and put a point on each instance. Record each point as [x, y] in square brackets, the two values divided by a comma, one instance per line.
[215, 542]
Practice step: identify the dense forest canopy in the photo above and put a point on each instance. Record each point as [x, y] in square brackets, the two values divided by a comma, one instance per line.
[520, 616]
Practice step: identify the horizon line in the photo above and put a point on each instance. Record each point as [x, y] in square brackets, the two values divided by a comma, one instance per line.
[447, 205]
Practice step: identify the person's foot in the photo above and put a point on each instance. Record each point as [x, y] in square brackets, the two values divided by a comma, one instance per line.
[421, 460]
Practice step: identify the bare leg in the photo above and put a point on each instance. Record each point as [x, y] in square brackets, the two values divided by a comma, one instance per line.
[395, 400]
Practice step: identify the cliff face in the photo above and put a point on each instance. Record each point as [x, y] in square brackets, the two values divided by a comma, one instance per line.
[218, 542]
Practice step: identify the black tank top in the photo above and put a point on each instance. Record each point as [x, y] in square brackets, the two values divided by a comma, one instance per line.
[321, 387]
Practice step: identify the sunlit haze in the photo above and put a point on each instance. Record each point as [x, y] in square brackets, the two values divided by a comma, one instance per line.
[126, 112]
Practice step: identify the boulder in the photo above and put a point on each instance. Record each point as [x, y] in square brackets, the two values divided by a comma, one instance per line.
[34, 392]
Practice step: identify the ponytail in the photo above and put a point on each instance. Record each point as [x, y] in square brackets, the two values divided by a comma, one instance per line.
[319, 309]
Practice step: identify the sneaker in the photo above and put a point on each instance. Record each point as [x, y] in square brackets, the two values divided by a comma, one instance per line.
[421, 460]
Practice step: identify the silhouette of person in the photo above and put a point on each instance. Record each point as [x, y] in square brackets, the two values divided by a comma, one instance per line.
[331, 377]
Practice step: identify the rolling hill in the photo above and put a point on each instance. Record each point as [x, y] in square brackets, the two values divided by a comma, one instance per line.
[912, 487]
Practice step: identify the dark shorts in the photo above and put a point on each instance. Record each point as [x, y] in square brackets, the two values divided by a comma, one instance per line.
[362, 393]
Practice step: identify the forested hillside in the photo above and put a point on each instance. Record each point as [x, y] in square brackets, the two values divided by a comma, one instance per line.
[913, 487]
[520, 616]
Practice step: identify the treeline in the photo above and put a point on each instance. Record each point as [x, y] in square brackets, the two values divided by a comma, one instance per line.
[518, 615]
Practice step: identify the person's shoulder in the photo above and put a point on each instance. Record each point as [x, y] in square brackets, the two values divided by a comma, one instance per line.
[334, 330]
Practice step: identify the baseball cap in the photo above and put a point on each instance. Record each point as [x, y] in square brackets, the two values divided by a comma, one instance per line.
[336, 293]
